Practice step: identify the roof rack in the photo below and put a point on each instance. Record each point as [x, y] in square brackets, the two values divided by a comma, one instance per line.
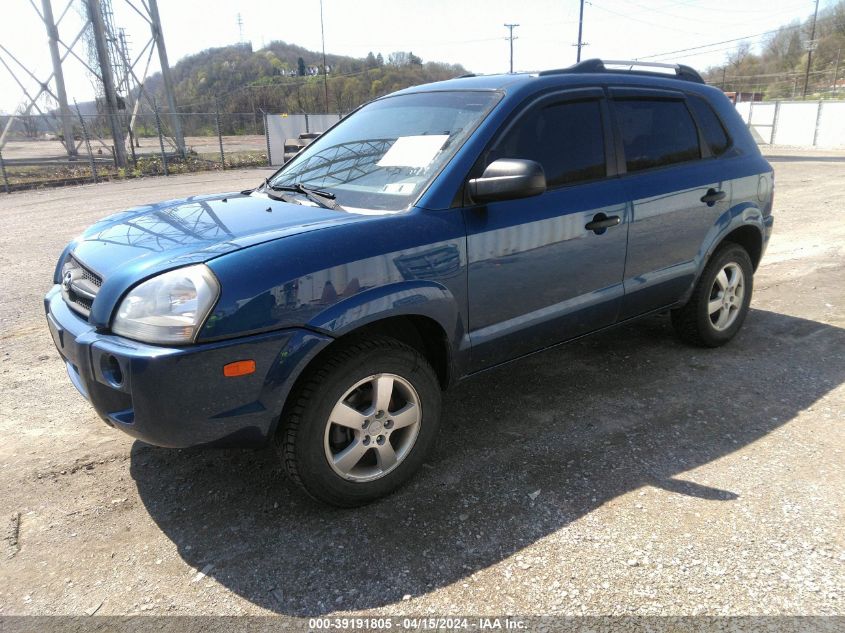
[601, 66]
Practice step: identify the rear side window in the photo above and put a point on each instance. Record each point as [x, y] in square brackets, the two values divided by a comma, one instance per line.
[567, 139]
[711, 126]
[656, 133]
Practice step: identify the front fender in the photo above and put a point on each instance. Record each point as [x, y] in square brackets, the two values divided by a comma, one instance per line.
[408, 298]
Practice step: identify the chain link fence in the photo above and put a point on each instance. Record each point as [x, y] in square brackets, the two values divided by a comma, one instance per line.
[34, 152]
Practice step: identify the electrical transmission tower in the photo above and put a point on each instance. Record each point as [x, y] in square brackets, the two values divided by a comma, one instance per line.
[115, 71]
[511, 37]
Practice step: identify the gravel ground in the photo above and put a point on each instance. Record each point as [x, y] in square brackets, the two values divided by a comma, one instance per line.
[148, 145]
[623, 474]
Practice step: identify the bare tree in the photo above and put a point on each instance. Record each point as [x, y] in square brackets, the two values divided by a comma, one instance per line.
[29, 123]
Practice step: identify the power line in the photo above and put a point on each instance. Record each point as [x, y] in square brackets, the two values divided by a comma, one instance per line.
[736, 39]
[511, 38]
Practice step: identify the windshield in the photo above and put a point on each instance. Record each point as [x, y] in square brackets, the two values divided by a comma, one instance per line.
[383, 156]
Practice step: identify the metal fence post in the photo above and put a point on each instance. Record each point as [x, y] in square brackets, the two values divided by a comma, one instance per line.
[5, 177]
[267, 139]
[219, 134]
[132, 148]
[818, 122]
[160, 140]
[775, 123]
[306, 123]
[87, 144]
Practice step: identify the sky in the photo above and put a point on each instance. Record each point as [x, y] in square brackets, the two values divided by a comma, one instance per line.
[471, 33]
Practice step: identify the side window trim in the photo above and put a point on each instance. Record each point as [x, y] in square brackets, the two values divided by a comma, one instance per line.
[645, 94]
[631, 92]
[548, 99]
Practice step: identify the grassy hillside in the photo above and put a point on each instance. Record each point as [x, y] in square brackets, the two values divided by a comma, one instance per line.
[287, 78]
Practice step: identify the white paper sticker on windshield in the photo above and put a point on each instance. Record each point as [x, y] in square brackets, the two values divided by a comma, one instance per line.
[413, 151]
[400, 188]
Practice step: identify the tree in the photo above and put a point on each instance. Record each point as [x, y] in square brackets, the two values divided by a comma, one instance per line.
[300, 67]
[414, 60]
[371, 60]
[28, 122]
[397, 59]
[379, 60]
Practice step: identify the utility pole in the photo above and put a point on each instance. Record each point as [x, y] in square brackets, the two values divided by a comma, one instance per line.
[61, 93]
[580, 31]
[810, 46]
[95, 15]
[325, 77]
[836, 69]
[158, 35]
[511, 37]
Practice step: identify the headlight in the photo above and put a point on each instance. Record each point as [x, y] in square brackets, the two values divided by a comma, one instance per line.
[169, 308]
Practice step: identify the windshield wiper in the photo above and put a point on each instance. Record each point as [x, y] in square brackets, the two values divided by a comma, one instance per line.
[267, 189]
[324, 199]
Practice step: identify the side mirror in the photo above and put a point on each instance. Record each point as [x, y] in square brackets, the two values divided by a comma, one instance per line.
[508, 179]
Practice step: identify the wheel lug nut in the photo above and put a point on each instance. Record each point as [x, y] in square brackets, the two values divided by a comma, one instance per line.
[366, 440]
[365, 424]
[389, 424]
[380, 440]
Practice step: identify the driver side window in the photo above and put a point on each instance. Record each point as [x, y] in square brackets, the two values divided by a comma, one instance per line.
[567, 139]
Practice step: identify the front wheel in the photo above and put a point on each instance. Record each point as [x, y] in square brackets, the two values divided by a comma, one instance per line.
[719, 303]
[361, 423]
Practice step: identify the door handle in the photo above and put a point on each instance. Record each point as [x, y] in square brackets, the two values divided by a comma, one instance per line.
[602, 222]
[713, 196]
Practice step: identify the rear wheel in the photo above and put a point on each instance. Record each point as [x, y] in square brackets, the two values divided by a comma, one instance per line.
[719, 303]
[361, 423]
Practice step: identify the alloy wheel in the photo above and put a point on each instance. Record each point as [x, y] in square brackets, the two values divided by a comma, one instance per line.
[373, 427]
[726, 296]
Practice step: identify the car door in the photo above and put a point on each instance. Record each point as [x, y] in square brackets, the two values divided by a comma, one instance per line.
[677, 194]
[537, 276]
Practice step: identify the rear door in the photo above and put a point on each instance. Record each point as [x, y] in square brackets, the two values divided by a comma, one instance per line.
[537, 276]
[677, 194]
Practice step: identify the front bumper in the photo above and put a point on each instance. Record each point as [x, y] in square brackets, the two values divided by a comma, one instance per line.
[178, 396]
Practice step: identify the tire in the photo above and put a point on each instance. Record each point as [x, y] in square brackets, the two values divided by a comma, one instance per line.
[350, 464]
[710, 318]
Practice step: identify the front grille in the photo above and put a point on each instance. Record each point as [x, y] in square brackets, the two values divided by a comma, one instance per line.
[80, 286]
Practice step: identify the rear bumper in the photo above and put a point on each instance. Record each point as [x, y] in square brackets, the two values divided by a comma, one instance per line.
[178, 396]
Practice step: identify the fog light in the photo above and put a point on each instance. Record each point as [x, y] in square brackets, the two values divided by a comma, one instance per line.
[111, 370]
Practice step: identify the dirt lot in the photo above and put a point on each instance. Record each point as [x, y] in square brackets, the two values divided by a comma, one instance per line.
[625, 474]
[147, 145]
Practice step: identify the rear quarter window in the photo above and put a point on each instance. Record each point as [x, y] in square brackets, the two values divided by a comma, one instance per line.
[714, 132]
[656, 133]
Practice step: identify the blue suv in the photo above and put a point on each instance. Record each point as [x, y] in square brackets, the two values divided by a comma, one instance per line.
[433, 234]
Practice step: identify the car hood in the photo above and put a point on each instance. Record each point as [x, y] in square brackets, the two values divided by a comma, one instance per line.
[130, 246]
[196, 229]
